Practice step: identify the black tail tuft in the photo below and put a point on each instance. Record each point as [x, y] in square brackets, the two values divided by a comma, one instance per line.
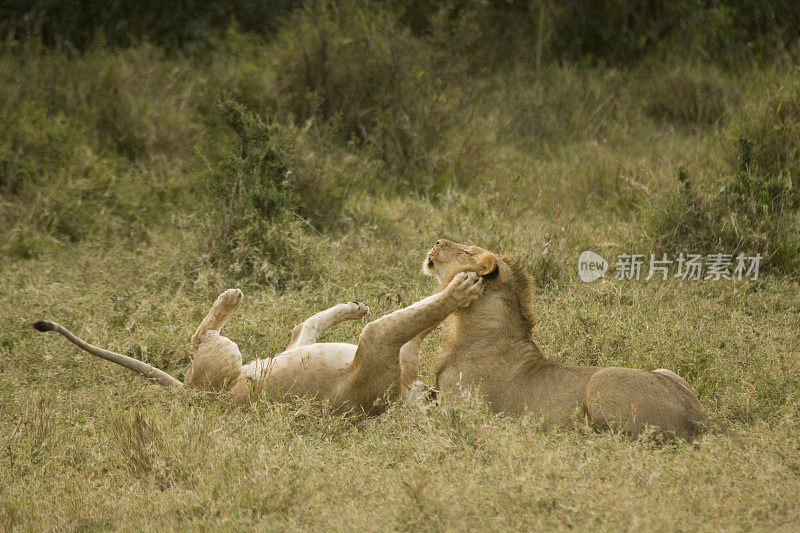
[43, 325]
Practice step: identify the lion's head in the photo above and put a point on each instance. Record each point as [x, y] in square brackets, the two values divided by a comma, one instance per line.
[507, 295]
[448, 258]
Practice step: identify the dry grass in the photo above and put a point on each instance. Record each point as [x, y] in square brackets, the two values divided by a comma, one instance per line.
[174, 460]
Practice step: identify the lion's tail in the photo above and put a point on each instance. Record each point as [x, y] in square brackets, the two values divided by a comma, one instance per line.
[130, 363]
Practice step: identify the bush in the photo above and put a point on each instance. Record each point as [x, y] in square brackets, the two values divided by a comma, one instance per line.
[351, 68]
[498, 32]
[771, 130]
[86, 142]
[135, 102]
[56, 188]
[256, 232]
[491, 32]
[559, 104]
[752, 214]
[757, 209]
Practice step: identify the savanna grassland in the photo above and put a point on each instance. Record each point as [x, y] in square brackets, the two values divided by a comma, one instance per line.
[317, 162]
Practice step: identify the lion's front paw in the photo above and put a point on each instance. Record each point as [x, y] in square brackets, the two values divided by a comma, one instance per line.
[229, 301]
[465, 288]
[356, 310]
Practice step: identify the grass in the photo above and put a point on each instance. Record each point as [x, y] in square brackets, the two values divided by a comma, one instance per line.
[116, 223]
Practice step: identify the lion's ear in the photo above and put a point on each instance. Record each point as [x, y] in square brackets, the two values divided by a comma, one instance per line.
[487, 265]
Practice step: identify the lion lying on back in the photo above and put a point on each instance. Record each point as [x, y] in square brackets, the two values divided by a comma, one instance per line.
[352, 378]
[490, 349]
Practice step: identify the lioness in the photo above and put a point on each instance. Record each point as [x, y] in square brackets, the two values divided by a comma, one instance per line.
[490, 349]
[353, 378]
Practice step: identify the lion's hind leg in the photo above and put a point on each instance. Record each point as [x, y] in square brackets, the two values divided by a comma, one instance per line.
[630, 400]
[679, 380]
[217, 366]
[227, 303]
[309, 331]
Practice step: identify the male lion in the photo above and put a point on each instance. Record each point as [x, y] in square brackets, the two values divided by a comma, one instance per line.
[490, 349]
[352, 378]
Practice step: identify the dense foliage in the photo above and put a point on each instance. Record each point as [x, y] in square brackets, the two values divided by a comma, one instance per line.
[612, 32]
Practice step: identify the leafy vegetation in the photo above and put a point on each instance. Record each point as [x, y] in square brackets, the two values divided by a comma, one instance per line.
[254, 232]
[756, 209]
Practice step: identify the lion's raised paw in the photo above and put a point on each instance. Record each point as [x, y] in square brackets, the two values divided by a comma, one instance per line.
[229, 301]
[356, 310]
[465, 287]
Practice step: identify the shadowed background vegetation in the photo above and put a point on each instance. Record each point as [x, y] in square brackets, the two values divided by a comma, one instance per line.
[310, 153]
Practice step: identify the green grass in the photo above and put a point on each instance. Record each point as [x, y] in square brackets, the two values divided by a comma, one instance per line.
[119, 222]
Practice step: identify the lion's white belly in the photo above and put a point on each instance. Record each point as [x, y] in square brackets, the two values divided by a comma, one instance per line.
[314, 368]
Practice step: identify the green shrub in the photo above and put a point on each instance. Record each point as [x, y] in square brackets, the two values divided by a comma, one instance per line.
[757, 209]
[351, 68]
[256, 232]
[771, 129]
[752, 214]
[56, 188]
[89, 144]
[559, 103]
[136, 102]
[489, 32]
[500, 32]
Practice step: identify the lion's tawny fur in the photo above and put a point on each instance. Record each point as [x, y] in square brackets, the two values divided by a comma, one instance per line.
[489, 348]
